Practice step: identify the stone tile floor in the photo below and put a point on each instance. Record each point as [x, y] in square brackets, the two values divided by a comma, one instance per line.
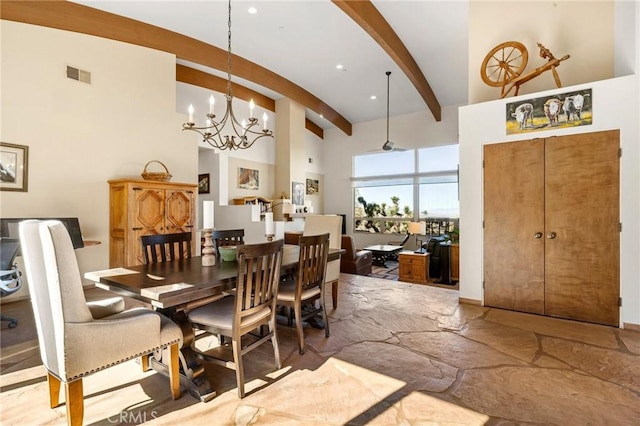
[399, 354]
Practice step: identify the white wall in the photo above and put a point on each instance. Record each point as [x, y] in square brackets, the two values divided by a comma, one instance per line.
[582, 29]
[616, 105]
[79, 135]
[417, 130]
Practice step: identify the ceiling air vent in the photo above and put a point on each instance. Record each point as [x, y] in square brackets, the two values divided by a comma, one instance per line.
[78, 75]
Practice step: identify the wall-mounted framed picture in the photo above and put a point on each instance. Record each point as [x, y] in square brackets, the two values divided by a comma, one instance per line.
[248, 178]
[562, 110]
[14, 162]
[313, 187]
[297, 193]
[203, 183]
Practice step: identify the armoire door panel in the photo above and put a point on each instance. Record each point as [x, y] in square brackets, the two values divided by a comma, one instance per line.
[513, 222]
[582, 269]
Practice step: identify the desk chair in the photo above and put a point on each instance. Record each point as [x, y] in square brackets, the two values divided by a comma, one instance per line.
[72, 343]
[163, 247]
[252, 305]
[308, 285]
[10, 277]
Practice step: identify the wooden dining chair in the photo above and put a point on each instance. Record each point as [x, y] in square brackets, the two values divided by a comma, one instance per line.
[164, 247]
[308, 285]
[227, 237]
[331, 223]
[252, 305]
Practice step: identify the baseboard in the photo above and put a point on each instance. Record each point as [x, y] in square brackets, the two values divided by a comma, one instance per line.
[630, 326]
[470, 301]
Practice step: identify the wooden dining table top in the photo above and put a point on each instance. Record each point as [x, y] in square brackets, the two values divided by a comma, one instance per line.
[177, 282]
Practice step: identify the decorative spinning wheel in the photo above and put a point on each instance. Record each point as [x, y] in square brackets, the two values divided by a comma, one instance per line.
[505, 63]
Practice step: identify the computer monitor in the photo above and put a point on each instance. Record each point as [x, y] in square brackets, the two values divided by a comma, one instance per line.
[9, 228]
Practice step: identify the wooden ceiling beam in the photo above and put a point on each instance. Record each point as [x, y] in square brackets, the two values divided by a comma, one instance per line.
[365, 14]
[65, 15]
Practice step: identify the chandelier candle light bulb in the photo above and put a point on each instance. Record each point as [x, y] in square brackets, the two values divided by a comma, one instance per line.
[212, 102]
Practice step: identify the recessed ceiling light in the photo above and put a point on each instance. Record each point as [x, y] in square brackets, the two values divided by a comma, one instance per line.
[339, 66]
[321, 116]
[253, 10]
[374, 97]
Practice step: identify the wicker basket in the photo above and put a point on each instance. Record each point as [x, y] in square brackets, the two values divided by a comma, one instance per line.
[157, 176]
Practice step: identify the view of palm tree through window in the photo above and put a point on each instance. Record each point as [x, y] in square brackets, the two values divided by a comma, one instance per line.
[394, 188]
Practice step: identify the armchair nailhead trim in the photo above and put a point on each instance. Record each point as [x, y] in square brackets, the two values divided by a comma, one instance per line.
[76, 377]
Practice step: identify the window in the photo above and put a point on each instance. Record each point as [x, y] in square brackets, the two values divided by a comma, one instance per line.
[395, 188]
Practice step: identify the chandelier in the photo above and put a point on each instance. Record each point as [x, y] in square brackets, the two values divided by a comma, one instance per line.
[244, 133]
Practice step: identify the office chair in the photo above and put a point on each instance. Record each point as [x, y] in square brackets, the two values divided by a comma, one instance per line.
[10, 277]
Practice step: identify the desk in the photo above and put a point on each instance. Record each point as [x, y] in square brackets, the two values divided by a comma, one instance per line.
[380, 253]
[171, 287]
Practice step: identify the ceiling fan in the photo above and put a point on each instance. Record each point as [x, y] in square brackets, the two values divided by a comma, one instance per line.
[388, 145]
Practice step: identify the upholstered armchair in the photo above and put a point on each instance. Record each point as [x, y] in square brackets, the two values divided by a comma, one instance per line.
[73, 341]
[320, 224]
[353, 261]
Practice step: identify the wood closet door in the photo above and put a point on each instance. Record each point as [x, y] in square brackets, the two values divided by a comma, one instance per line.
[513, 214]
[582, 262]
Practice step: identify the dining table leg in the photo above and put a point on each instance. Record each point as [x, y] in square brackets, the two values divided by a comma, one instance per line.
[192, 373]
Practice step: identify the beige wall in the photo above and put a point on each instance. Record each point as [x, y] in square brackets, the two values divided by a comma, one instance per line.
[79, 135]
[484, 123]
[582, 29]
[266, 173]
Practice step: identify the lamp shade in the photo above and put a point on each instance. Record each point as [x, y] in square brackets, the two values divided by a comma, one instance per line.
[419, 228]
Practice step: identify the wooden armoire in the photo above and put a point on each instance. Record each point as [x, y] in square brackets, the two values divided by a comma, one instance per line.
[552, 226]
[142, 207]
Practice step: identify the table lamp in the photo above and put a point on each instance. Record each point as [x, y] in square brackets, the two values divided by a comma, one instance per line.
[418, 228]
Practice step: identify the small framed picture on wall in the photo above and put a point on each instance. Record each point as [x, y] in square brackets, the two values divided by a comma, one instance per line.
[14, 162]
[297, 193]
[203, 183]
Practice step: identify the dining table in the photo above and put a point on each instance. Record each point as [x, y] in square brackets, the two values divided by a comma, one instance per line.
[176, 286]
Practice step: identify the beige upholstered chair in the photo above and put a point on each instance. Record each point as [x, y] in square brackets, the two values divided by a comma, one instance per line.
[320, 224]
[308, 285]
[74, 343]
[252, 305]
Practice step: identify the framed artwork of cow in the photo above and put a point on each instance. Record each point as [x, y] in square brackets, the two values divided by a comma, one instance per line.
[550, 112]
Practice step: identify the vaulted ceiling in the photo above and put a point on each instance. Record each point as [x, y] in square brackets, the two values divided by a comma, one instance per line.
[292, 49]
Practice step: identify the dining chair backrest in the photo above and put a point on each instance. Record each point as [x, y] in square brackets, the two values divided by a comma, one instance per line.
[319, 224]
[257, 281]
[227, 237]
[312, 263]
[164, 247]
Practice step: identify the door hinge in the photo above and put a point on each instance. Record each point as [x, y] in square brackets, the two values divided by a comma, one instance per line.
[619, 152]
[620, 227]
[619, 301]
[483, 285]
[483, 224]
[483, 164]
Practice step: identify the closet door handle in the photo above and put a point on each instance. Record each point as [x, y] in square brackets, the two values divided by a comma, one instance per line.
[551, 235]
[537, 235]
